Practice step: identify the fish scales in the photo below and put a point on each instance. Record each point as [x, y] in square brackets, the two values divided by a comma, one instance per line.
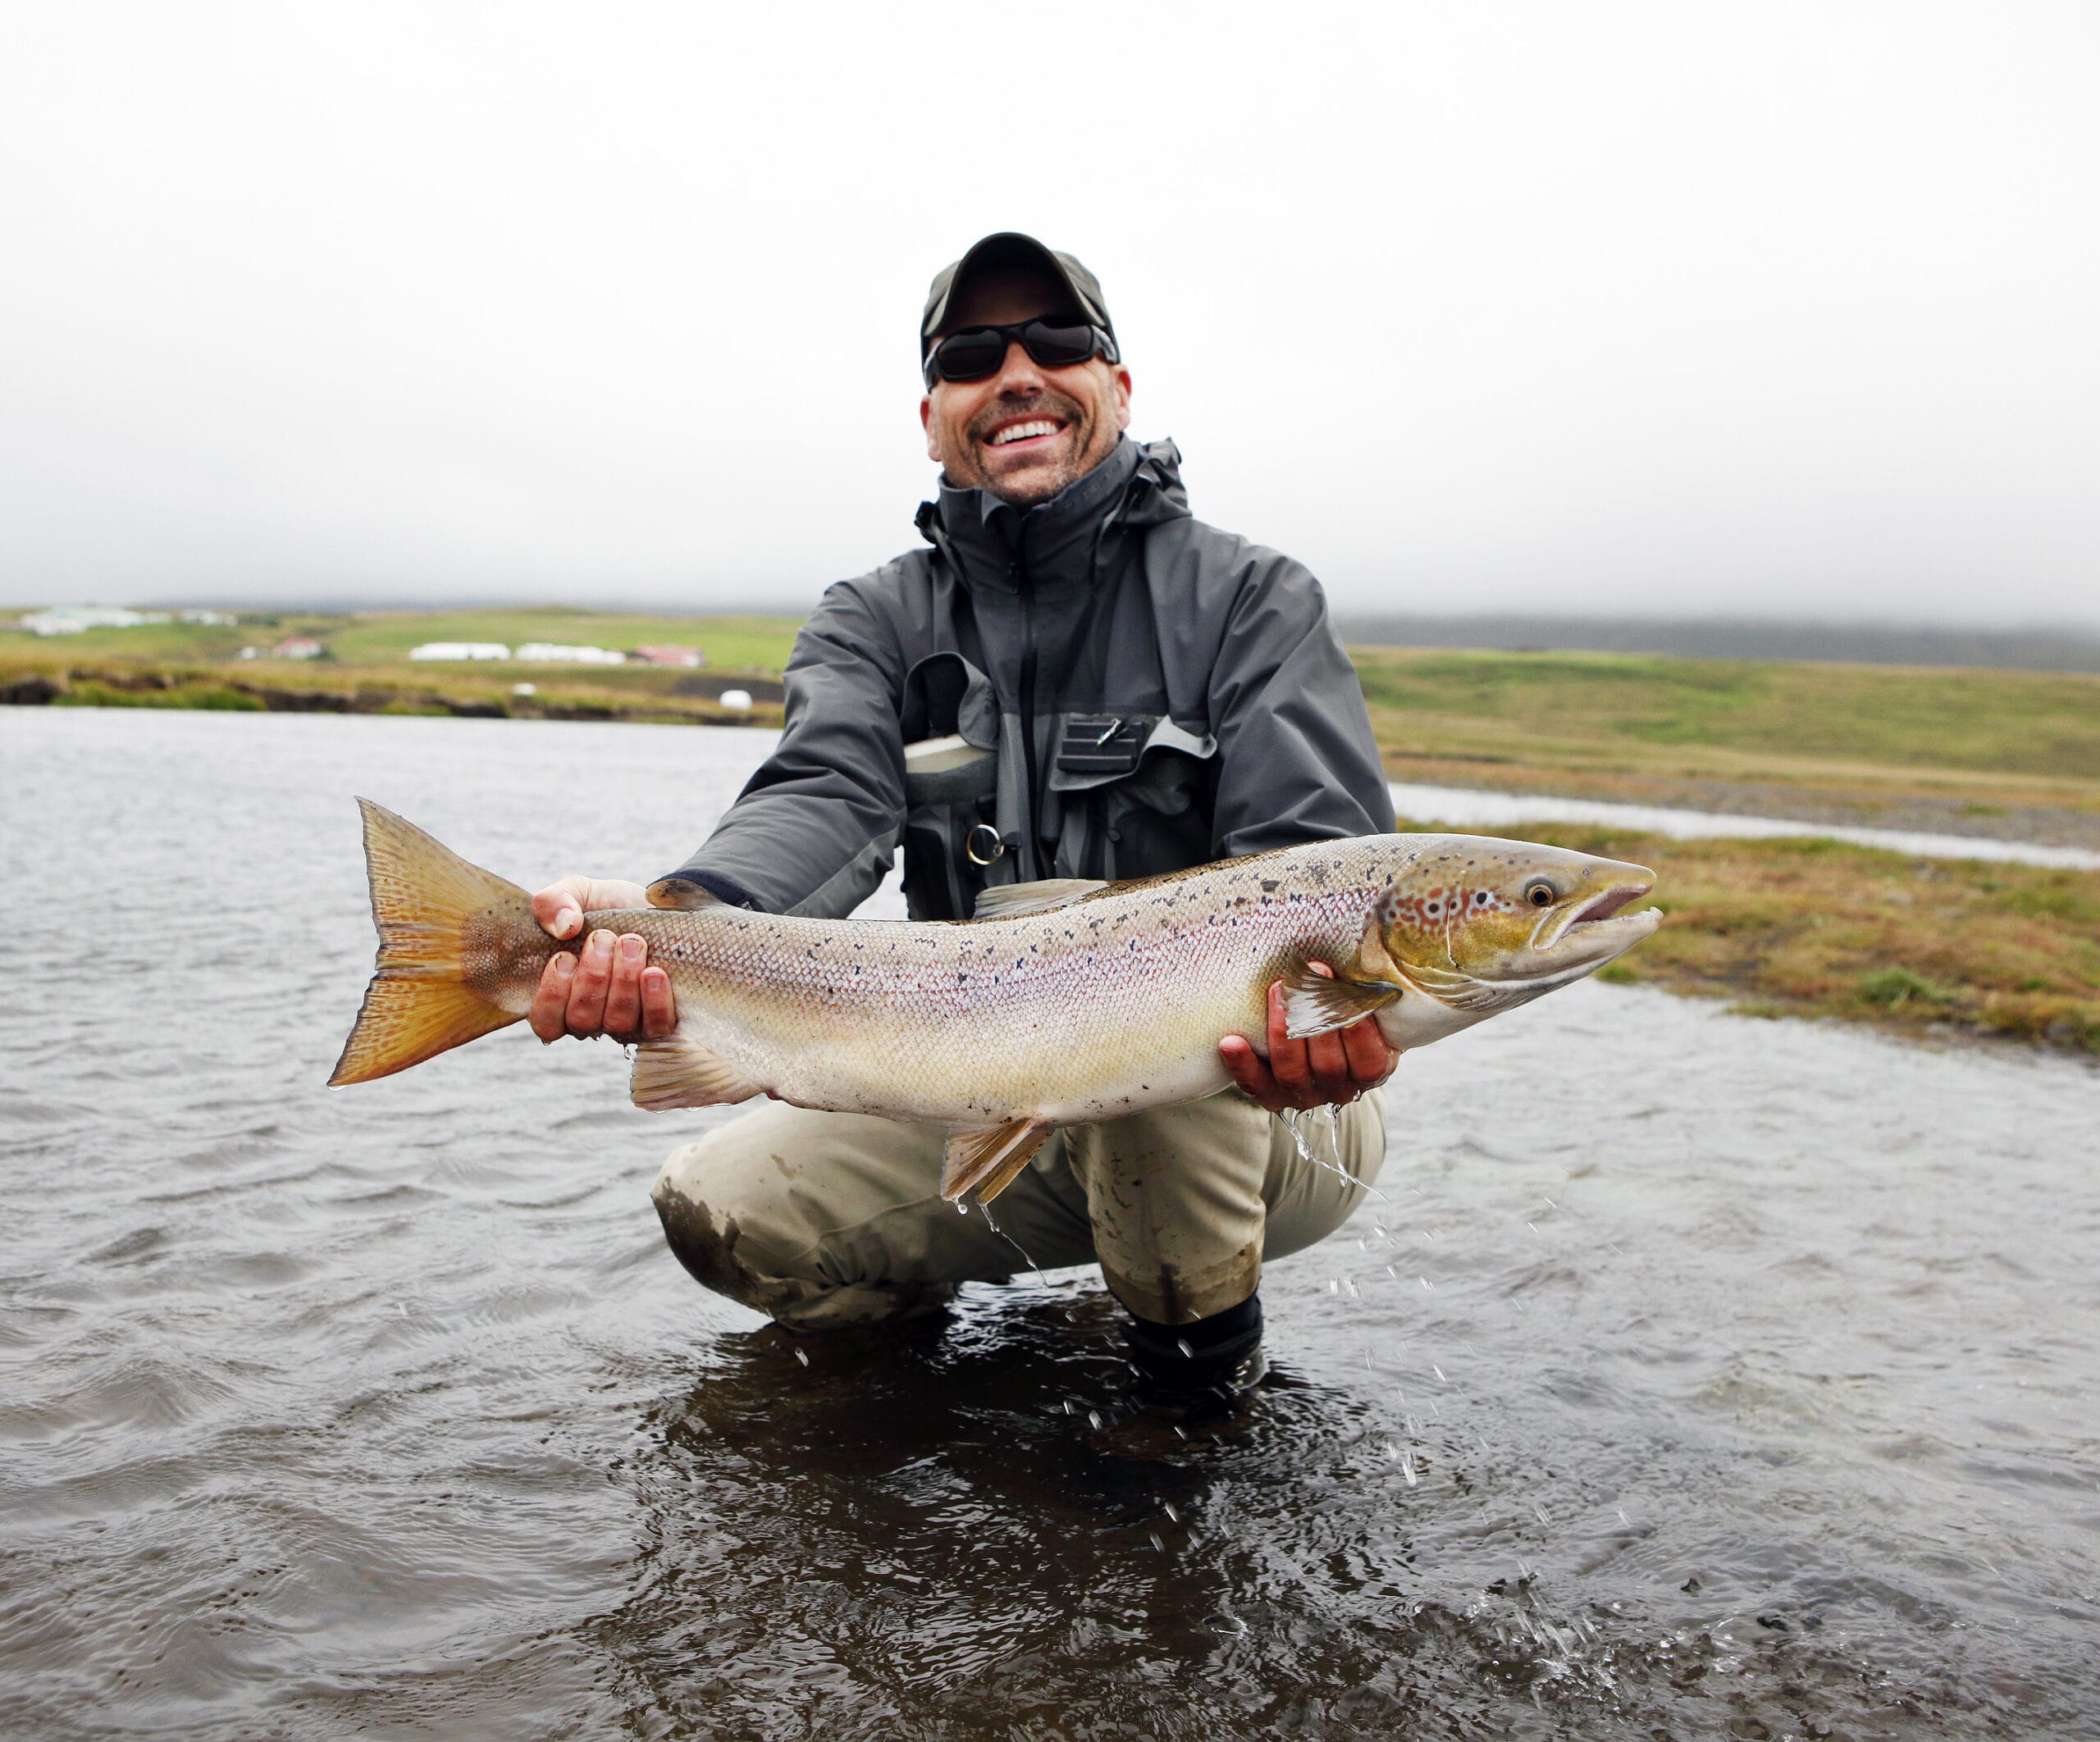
[1105, 998]
[1039, 1012]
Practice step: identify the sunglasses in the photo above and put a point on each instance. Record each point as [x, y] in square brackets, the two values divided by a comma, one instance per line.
[978, 351]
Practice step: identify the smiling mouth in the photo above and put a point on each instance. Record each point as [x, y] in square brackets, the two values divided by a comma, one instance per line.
[1033, 430]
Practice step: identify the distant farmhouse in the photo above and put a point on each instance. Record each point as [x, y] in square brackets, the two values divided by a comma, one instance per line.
[560, 653]
[690, 658]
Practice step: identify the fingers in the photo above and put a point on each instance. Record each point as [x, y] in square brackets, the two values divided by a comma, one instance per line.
[1247, 1070]
[561, 906]
[660, 1004]
[623, 991]
[1371, 1059]
[1290, 1062]
[550, 1012]
[606, 987]
[1326, 1069]
[593, 980]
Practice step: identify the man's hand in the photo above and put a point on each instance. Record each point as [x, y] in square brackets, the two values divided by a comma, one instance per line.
[607, 987]
[1332, 1068]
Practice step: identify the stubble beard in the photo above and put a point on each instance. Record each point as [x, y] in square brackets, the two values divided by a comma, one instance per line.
[1070, 461]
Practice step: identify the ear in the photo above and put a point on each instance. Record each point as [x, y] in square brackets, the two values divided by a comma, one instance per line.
[1122, 398]
[926, 423]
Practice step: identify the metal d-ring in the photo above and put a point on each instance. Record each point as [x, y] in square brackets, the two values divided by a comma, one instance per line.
[993, 846]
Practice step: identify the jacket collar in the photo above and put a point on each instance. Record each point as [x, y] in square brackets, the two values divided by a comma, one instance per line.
[987, 539]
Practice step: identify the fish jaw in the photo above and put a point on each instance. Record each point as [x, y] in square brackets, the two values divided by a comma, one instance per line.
[1481, 925]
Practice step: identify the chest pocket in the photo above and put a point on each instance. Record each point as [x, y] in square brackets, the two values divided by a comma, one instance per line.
[954, 830]
[1132, 793]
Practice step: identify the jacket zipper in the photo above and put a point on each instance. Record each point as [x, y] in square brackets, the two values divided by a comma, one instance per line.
[1024, 585]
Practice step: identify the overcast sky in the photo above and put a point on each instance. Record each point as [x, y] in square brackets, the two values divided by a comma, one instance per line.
[1711, 309]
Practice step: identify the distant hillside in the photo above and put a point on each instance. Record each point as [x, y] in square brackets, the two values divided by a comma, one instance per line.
[2032, 650]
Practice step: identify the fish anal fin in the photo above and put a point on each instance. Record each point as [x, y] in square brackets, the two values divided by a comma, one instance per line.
[986, 1161]
[1011, 901]
[1313, 1004]
[677, 1071]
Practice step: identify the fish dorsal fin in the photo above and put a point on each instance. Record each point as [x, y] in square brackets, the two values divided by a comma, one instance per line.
[1010, 901]
[681, 893]
[987, 1161]
[679, 1072]
[1314, 1004]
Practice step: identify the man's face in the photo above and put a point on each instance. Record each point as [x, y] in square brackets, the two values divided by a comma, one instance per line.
[1025, 432]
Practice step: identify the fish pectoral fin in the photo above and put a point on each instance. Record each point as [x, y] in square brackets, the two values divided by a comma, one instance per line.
[677, 1071]
[1313, 1004]
[987, 1160]
[1010, 901]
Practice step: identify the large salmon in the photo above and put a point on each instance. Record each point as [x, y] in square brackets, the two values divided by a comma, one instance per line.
[1060, 1004]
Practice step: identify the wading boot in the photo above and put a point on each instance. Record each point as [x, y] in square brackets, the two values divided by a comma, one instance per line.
[1200, 1370]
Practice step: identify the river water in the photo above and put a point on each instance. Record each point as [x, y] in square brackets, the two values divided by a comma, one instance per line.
[1695, 1375]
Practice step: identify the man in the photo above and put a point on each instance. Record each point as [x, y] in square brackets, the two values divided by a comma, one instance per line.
[1074, 679]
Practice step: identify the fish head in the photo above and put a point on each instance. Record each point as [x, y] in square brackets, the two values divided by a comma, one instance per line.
[1478, 924]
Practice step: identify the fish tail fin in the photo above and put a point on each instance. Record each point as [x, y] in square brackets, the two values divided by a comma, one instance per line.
[421, 1000]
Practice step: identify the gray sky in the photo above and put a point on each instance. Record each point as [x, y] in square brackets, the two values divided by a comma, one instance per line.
[1738, 309]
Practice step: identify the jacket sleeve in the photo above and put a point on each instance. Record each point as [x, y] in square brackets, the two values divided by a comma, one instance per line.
[1296, 760]
[815, 830]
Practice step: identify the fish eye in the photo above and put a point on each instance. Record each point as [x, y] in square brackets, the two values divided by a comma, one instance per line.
[1540, 894]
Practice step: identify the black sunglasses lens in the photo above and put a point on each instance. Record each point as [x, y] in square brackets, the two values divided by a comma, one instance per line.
[969, 356]
[1058, 347]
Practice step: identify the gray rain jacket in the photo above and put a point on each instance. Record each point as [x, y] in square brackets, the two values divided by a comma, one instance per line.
[1154, 693]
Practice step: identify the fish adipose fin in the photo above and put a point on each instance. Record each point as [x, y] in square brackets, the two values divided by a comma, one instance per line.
[987, 1161]
[1313, 1004]
[1010, 901]
[679, 1072]
[423, 897]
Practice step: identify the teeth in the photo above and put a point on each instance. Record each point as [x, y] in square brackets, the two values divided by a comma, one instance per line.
[1022, 432]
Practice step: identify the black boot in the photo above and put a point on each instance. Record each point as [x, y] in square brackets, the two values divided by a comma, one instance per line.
[1200, 1368]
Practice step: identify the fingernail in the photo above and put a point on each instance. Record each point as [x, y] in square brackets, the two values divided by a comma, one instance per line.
[564, 965]
[601, 946]
[631, 947]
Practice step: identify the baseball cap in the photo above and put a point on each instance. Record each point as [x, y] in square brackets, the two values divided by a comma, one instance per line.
[1009, 248]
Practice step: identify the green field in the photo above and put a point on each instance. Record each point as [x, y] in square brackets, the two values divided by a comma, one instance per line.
[364, 667]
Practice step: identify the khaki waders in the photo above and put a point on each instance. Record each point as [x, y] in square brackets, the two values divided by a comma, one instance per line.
[833, 1219]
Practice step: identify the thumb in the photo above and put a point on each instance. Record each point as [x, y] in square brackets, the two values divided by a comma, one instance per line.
[560, 906]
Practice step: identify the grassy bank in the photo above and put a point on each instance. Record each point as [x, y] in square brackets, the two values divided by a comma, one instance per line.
[1816, 927]
[2012, 753]
[364, 667]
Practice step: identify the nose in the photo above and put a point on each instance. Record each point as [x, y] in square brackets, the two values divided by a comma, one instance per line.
[1020, 374]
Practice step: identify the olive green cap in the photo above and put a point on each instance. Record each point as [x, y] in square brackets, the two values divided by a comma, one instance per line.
[1009, 248]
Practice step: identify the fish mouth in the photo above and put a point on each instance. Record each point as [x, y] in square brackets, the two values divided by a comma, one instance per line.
[1601, 925]
[1608, 904]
